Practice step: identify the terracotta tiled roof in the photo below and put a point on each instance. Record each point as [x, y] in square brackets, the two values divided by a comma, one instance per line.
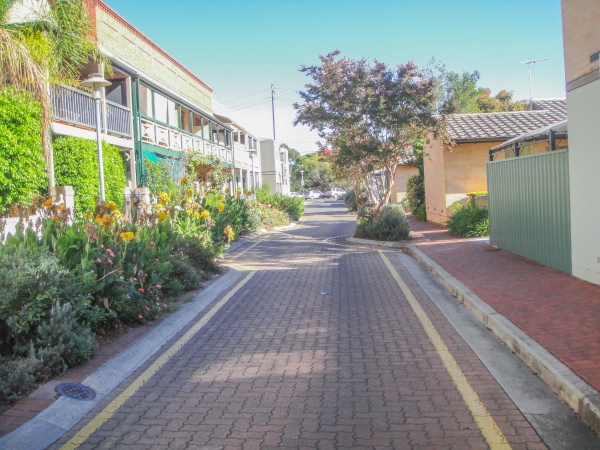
[505, 125]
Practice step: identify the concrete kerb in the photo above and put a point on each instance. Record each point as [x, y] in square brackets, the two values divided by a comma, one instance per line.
[569, 387]
[58, 418]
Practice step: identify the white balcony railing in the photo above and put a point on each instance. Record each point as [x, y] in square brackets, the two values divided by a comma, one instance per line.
[77, 107]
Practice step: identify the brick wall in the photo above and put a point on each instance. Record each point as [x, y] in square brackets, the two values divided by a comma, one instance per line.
[403, 173]
[119, 38]
[581, 36]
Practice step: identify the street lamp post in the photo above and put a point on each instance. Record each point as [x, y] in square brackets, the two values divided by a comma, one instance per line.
[96, 81]
[302, 181]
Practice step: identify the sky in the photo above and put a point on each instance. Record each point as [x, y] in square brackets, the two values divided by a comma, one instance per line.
[240, 47]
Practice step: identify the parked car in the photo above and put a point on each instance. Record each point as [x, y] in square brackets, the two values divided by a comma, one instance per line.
[295, 194]
[334, 192]
[312, 194]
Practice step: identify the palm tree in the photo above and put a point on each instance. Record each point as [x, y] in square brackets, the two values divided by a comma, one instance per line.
[43, 46]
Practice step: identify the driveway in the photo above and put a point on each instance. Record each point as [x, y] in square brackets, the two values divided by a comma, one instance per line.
[327, 345]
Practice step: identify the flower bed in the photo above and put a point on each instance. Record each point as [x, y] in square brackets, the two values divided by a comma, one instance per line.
[65, 277]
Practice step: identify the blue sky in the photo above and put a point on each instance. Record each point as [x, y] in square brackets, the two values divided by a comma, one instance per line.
[241, 47]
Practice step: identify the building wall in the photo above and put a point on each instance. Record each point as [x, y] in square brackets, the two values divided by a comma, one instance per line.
[584, 168]
[403, 173]
[118, 38]
[435, 181]
[581, 37]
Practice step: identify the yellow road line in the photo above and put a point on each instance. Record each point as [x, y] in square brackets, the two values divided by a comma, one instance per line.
[114, 406]
[484, 421]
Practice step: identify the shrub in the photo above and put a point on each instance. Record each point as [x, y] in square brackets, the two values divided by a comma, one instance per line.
[17, 375]
[271, 217]
[294, 206]
[421, 213]
[22, 166]
[62, 341]
[389, 224]
[76, 164]
[469, 220]
[158, 178]
[415, 192]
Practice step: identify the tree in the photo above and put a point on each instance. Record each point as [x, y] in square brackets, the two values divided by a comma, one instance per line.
[369, 114]
[459, 93]
[293, 154]
[318, 172]
[49, 45]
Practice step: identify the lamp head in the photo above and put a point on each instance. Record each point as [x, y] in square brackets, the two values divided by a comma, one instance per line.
[95, 80]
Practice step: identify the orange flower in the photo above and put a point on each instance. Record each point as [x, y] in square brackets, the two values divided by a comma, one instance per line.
[221, 208]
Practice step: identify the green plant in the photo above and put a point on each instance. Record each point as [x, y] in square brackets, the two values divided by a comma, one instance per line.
[76, 164]
[389, 224]
[158, 178]
[469, 220]
[421, 213]
[17, 375]
[23, 170]
[62, 341]
[294, 206]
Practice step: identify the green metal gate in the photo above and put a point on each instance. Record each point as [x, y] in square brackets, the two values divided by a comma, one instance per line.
[529, 207]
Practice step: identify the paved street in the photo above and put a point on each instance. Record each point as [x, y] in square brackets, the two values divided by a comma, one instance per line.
[321, 348]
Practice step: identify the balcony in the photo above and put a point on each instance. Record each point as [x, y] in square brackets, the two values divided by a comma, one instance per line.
[77, 107]
[179, 141]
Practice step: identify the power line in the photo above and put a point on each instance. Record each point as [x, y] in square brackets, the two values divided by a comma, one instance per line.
[249, 103]
[250, 106]
[245, 96]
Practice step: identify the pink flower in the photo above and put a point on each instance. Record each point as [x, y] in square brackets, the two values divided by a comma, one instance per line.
[156, 259]
[94, 237]
[109, 261]
[147, 309]
[140, 316]
[165, 305]
[141, 290]
[158, 286]
[91, 271]
[101, 245]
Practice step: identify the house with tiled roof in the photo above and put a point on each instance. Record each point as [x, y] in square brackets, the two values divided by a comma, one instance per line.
[452, 172]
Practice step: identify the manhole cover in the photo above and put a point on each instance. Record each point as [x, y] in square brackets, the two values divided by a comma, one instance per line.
[76, 391]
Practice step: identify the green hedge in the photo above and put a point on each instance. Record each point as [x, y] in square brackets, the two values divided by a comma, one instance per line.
[76, 164]
[158, 178]
[22, 166]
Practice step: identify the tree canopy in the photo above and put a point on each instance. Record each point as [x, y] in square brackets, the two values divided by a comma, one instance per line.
[293, 154]
[369, 115]
[459, 93]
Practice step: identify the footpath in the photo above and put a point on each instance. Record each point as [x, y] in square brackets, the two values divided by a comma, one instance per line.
[558, 311]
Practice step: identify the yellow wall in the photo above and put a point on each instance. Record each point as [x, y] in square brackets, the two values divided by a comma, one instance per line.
[435, 181]
[118, 38]
[581, 36]
[403, 173]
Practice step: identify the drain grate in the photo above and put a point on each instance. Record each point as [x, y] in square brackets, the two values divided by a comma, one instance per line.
[76, 391]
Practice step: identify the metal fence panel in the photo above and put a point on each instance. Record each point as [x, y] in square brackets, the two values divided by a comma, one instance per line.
[528, 202]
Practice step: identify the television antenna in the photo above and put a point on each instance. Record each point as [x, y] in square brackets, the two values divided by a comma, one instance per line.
[530, 64]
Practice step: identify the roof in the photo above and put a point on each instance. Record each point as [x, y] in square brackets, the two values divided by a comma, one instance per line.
[557, 105]
[559, 128]
[502, 126]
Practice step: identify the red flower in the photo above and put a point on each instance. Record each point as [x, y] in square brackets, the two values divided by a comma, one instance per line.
[141, 290]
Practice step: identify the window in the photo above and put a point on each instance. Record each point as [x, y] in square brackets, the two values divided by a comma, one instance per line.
[242, 139]
[197, 128]
[236, 137]
[173, 109]
[145, 101]
[160, 107]
[206, 133]
[186, 122]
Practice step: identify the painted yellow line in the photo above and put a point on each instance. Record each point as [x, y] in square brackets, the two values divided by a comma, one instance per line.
[488, 427]
[237, 255]
[114, 406]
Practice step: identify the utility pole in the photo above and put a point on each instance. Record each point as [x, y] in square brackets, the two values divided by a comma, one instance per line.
[530, 65]
[273, 107]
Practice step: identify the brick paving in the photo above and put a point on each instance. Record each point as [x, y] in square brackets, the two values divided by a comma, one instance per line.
[283, 366]
[559, 311]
